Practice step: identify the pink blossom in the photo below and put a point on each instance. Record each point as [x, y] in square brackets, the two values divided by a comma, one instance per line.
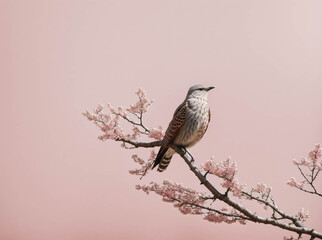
[302, 215]
[316, 154]
[141, 105]
[185, 209]
[87, 114]
[108, 124]
[144, 166]
[189, 201]
[144, 188]
[137, 159]
[293, 183]
[153, 155]
[319, 166]
[185, 199]
[315, 158]
[156, 133]
[302, 162]
[216, 218]
[225, 169]
[209, 165]
[263, 189]
[235, 187]
[120, 111]
[111, 108]
[99, 108]
[219, 218]
[309, 169]
[135, 133]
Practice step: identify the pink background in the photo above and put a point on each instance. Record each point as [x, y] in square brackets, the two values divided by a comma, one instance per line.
[57, 58]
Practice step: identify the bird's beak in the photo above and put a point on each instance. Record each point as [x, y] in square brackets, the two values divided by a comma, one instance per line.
[209, 88]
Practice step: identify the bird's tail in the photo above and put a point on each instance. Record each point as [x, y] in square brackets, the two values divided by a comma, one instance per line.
[162, 159]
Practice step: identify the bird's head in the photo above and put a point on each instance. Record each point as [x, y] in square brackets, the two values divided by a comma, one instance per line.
[198, 91]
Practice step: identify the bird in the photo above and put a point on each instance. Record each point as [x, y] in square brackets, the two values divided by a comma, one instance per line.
[188, 125]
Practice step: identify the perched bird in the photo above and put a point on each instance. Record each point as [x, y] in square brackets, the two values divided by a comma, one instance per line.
[188, 125]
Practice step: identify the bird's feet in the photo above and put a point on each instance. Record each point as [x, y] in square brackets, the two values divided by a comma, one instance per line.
[192, 160]
[185, 151]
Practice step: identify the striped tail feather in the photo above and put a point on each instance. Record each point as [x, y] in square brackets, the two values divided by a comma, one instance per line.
[159, 157]
[165, 153]
[162, 160]
[164, 163]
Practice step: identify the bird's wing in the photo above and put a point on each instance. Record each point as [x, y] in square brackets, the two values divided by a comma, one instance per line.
[173, 129]
[176, 123]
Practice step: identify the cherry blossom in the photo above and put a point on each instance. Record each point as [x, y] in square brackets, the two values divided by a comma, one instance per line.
[109, 125]
[109, 120]
[142, 105]
[309, 169]
[263, 189]
[293, 183]
[302, 215]
[189, 201]
[225, 169]
[156, 133]
[144, 166]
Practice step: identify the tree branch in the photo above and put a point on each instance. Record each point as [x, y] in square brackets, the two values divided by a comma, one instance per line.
[109, 124]
[299, 228]
[298, 225]
[140, 144]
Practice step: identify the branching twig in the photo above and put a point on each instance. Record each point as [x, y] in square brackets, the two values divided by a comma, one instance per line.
[298, 227]
[109, 124]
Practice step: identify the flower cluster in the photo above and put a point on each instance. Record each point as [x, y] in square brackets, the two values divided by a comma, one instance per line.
[316, 156]
[263, 190]
[235, 187]
[314, 160]
[302, 215]
[108, 123]
[309, 169]
[294, 183]
[142, 104]
[189, 201]
[226, 170]
[221, 216]
[144, 165]
[156, 133]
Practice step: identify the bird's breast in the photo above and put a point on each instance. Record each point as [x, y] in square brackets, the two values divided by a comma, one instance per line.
[196, 123]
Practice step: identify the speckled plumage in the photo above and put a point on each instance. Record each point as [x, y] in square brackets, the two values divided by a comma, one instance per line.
[188, 125]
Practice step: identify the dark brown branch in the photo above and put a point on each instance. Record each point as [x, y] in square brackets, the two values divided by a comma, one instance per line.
[298, 226]
[140, 124]
[315, 192]
[140, 144]
[275, 209]
[237, 217]
[313, 177]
